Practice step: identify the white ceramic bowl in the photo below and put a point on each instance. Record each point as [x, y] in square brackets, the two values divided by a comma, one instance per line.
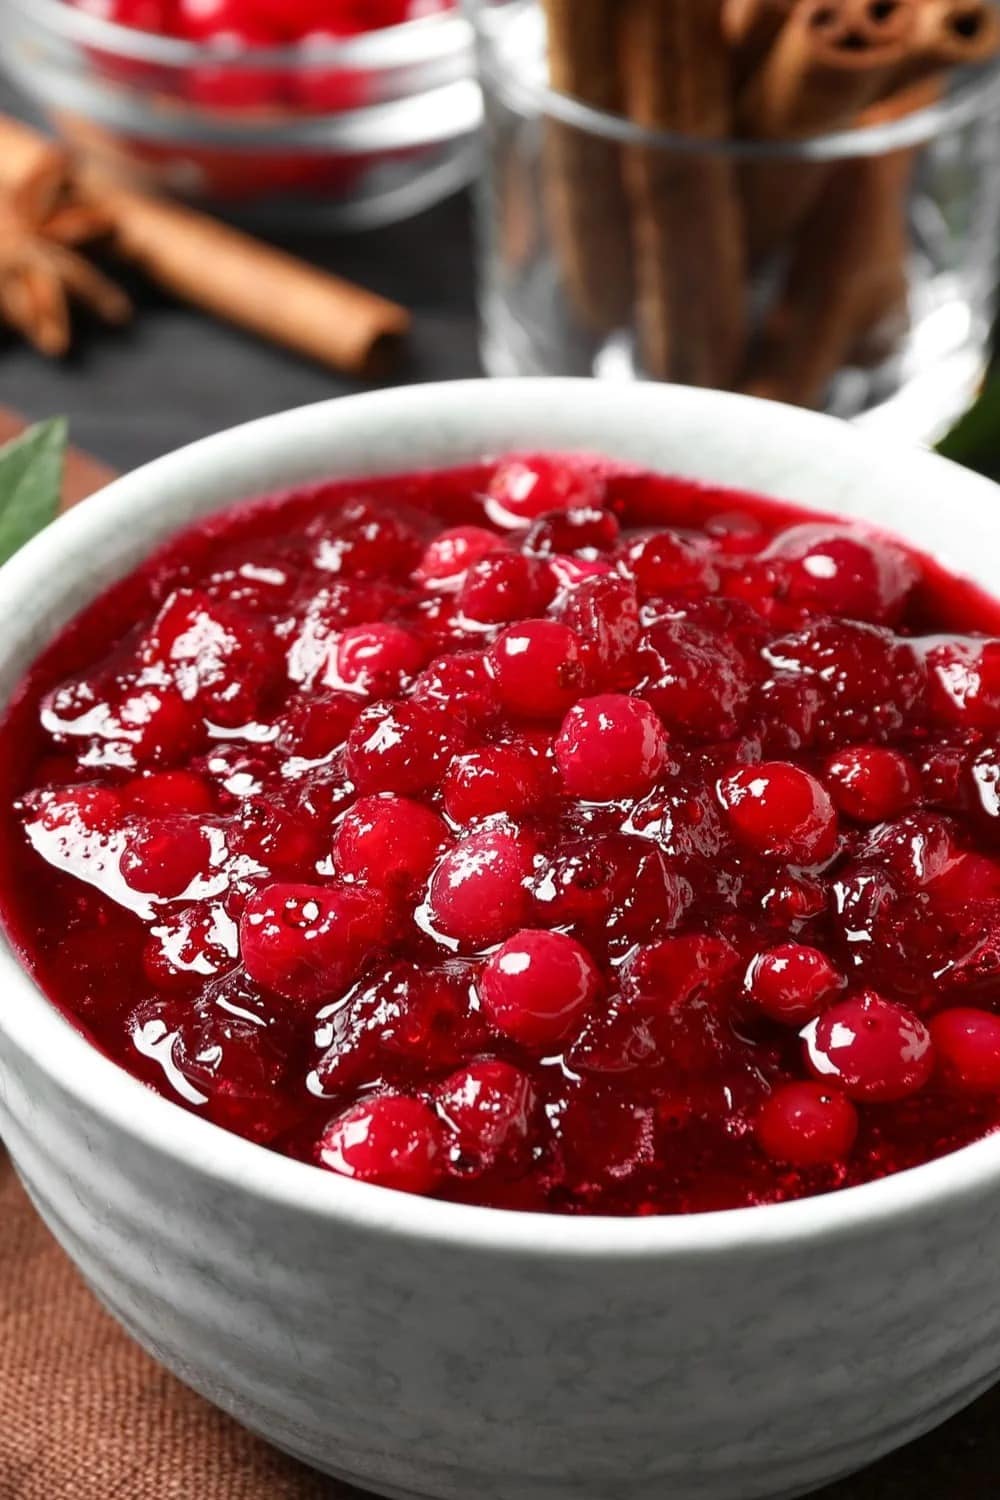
[424, 1349]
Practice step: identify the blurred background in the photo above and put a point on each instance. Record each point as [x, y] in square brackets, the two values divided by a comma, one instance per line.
[795, 198]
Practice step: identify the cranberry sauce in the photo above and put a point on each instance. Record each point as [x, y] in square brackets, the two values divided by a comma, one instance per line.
[545, 835]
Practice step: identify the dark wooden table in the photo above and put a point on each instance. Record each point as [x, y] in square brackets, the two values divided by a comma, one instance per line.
[176, 377]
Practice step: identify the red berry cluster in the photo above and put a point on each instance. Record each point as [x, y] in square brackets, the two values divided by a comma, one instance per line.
[234, 29]
[544, 835]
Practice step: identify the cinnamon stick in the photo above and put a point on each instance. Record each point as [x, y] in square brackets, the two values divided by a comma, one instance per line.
[846, 282]
[750, 27]
[831, 59]
[686, 223]
[584, 191]
[230, 274]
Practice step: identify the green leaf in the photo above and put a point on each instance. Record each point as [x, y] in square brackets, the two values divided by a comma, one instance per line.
[975, 440]
[31, 474]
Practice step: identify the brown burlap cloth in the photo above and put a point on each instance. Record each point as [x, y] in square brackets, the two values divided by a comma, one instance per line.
[86, 1415]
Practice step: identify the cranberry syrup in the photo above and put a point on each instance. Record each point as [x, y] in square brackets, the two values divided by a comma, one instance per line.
[545, 835]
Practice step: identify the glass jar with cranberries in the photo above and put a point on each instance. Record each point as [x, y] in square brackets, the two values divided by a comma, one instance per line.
[344, 113]
[544, 835]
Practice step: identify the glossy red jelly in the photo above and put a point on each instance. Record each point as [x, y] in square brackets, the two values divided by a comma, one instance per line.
[545, 835]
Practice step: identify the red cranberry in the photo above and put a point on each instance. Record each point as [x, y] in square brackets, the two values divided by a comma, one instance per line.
[679, 969]
[667, 563]
[537, 669]
[308, 942]
[478, 893]
[219, 658]
[871, 784]
[837, 570]
[165, 857]
[316, 724]
[503, 587]
[620, 888]
[399, 747]
[967, 1047]
[604, 614]
[407, 1016]
[504, 778]
[792, 983]
[375, 659]
[365, 540]
[489, 1106]
[572, 533]
[201, 19]
[781, 812]
[462, 685]
[916, 849]
[698, 683]
[869, 683]
[967, 878]
[170, 792]
[874, 1048]
[965, 683]
[522, 489]
[389, 841]
[238, 1063]
[452, 553]
[390, 1140]
[807, 1125]
[537, 987]
[609, 747]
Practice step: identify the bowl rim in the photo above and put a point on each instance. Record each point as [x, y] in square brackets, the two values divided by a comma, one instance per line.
[411, 44]
[50, 1043]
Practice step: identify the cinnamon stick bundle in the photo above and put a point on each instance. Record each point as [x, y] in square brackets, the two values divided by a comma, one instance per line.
[584, 191]
[686, 221]
[229, 274]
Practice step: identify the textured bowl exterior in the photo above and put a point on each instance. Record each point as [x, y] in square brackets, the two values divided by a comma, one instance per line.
[429, 1350]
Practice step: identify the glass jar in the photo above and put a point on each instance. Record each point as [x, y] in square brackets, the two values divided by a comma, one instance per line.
[855, 272]
[345, 136]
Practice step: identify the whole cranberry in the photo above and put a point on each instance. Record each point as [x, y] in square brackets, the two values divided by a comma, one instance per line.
[780, 812]
[875, 1049]
[315, 724]
[967, 1047]
[521, 489]
[308, 942]
[374, 659]
[792, 983]
[537, 987]
[219, 658]
[478, 894]
[581, 533]
[537, 668]
[698, 681]
[452, 553]
[807, 1125]
[463, 686]
[871, 783]
[391, 1140]
[389, 841]
[666, 564]
[840, 570]
[169, 792]
[503, 587]
[162, 857]
[609, 747]
[489, 1107]
[916, 850]
[507, 778]
[399, 747]
[965, 683]
[603, 613]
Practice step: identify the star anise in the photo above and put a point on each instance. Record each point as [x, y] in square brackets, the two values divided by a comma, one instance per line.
[45, 222]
